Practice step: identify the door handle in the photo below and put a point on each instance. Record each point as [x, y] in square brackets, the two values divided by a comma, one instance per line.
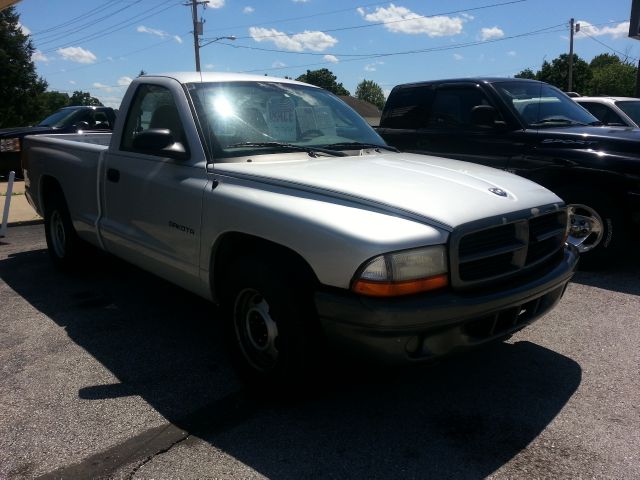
[113, 175]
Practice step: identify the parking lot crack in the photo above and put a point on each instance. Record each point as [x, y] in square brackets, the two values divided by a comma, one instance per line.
[156, 454]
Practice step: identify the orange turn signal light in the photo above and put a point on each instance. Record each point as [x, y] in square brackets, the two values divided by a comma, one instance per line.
[394, 289]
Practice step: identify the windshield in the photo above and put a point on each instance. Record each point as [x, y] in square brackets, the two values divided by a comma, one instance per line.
[631, 108]
[539, 105]
[254, 118]
[58, 119]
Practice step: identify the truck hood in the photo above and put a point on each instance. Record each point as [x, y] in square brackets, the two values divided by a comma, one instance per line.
[22, 131]
[624, 140]
[446, 193]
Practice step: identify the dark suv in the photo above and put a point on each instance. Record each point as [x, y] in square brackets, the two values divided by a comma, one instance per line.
[534, 130]
[65, 120]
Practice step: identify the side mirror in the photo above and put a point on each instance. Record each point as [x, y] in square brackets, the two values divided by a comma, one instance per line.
[485, 116]
[82, 126]
[159, 141]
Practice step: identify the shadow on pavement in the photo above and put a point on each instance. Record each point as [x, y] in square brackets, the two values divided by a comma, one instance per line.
[623, 277]
[462, 418]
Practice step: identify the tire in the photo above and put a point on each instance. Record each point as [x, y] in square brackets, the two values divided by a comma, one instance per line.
[270, 325]
[63, 243]
[597, 228]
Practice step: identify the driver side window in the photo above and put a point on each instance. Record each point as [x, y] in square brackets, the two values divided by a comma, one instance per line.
[152, 107]
[452, 107]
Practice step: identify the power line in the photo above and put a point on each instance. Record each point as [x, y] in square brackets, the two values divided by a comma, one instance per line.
[291, 19]
[82, 16]
[110, 30]
[607, 46]
[120, 55]
[375, 24]
[59, 35]
[424, 50]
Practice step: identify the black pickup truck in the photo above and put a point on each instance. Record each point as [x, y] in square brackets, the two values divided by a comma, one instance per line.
[534, 130]
[65, 120]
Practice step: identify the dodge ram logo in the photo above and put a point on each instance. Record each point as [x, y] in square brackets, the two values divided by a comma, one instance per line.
[498, 191]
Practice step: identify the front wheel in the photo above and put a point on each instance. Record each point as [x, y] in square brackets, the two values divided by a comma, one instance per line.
[596, 229]
[270, 324]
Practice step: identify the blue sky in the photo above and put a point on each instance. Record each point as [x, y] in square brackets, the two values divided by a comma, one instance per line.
[99, 45]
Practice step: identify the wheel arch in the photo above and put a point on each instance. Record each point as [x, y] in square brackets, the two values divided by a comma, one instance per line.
[232, 245]
[49, 186]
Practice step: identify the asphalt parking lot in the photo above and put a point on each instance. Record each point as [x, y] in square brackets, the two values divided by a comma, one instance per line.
[113, 373]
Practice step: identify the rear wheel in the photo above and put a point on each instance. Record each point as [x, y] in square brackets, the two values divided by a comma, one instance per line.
[63, 242]
[270, 323]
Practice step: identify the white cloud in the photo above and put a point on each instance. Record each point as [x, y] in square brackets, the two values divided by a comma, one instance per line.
[248, 10]
[457, 56]
[113, 102]
[38, 56]
[372, 67]
[315, 41]
[620, 30]
[24, 29]
[299, 1]
[209, 66]
[331, 58]
[512, 53]
[124, 81]
[403, 20]
[102, 86]
[215, 4]
[110, 59]
[492, 33]
[278, 64]
[77, 54]
[152, 31]
[158, 33]
[72, 82]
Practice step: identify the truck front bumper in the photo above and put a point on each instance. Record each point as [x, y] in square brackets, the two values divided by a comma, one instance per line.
[422, 327]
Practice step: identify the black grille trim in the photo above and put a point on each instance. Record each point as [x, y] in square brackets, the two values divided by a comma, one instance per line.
[505, 248]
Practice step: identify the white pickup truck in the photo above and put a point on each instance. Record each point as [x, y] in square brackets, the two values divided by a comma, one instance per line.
[276, 200]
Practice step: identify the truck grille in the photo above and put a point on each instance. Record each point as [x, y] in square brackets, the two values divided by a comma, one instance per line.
[507, 250]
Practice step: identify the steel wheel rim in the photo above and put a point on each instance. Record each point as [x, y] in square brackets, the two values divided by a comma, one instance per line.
[57, 234]
[255, 330]
[586, 228]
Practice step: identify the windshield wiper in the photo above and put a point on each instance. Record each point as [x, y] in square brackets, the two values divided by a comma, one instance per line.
[361, 145]
[561, 121]
[290, 146]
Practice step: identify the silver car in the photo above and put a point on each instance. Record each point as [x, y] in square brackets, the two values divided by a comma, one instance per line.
[613, 111]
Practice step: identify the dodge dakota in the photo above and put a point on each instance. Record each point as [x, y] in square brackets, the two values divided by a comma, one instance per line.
[275, 200]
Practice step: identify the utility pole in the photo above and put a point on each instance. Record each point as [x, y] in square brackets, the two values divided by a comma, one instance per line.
[570, 88]
[197, 28]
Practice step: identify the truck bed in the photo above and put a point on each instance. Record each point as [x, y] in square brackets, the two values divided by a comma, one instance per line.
[72, 159]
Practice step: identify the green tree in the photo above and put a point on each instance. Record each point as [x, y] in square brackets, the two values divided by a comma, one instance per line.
[20, 86]
[604, 60]
[52, 101]
[323, 78]
[84, 98]
[371, 92]
[526, 73]
[557, 73]
[612, 76]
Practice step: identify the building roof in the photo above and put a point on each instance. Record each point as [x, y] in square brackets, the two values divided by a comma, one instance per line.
[364, 109]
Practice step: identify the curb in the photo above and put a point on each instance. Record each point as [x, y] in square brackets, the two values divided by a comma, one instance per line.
[24, 223]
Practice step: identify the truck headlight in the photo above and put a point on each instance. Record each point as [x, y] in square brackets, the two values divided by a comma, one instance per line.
[9, 145]
[403, 273]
